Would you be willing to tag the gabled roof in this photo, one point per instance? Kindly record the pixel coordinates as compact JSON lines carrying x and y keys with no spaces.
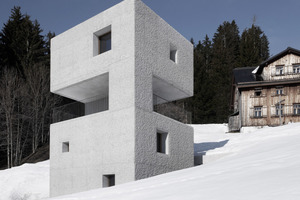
{"x":244,"y":74}
{"x":289,"y":50}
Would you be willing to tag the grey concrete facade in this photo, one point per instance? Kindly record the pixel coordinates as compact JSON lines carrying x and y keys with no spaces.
{"x":121,"y":140}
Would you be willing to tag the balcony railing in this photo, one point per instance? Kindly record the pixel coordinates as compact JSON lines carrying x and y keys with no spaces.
{"x":171,"y":110}
{"x":78,"y":109}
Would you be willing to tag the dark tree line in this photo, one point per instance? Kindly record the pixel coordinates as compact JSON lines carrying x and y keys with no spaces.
{"x":25,"y":98}
{"x":214,"y":61}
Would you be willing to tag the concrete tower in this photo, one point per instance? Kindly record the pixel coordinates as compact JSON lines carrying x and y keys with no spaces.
{"x":118,"y":65}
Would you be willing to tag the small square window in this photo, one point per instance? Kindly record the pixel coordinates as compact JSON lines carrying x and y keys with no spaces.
{"x":104,"y":42}
{"x":279,"y":109}
{"x":108,"y":180}
{"x":296,"y":69}
{"x":257,"y":92}
{"x":258,"y":111}
{"x":65,"y":147}
{"x":279,"y":91}
{"x":279,"y":70}
{"x":296,"y":108}
{"x":162,"y":144}
{"x":173,"y":53}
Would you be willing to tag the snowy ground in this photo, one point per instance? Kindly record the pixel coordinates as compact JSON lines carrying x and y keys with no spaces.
{"x":256,"y":164}
{"x":27,"y":182}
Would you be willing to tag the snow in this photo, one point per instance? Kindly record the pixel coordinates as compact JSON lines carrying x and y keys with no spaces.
{"x":258,"y":164}
{"x":255,"y":70}
{"x":26,"y":182}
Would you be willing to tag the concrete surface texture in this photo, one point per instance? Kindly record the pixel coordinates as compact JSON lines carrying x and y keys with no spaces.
{"x":147,"y":57}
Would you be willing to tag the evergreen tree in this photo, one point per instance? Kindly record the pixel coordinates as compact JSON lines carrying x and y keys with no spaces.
{"x":201,"y":101}
{"x":254,"y":47}
{"x":225,"y":50}
{"x":21,"y":42}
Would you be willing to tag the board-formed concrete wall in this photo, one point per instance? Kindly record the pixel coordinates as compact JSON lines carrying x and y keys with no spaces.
{"x":121,"y":140}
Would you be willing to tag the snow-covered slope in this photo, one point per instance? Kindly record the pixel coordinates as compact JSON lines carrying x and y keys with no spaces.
{"x":261,"y":165}
{"x":26,"y":182}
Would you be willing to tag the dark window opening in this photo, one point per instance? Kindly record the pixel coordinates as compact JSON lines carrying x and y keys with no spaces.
{"x":104,"y":42}
{"x":161,"y":144}
{"x":173,"y":55}
{"x":257,"y":92}
{"x":108,"y":180}
{"x":65,"y":147}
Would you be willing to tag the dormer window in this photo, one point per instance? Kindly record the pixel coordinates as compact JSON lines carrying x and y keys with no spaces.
{"x":296,"y":69}
{"x":279,"y":70}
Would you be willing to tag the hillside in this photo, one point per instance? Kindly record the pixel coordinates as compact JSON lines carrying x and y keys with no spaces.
{"x":259,"y":165}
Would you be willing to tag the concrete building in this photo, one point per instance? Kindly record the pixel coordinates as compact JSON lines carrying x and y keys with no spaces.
{"x":267,"y":95}
{"x":118,"y":65}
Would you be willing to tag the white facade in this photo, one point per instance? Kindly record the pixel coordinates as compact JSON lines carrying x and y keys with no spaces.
{"x":147,"y":57}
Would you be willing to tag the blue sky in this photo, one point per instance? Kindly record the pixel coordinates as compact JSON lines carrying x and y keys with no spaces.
{"x":279,"y":19}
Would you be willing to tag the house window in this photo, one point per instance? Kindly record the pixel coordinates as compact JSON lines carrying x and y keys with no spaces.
{"x":296,"y":109}
{"x":279,"y":91}
{"x":279,"y":110}
{"x":104,"y":43}
{"x":258,"y":111}
{"x":279,"y":70}
{"x":65,"y":147}
{"x":108,"y":180}
{"x":257,"y":92}
{"x":161,"y":145}
{"x":296,"y":69}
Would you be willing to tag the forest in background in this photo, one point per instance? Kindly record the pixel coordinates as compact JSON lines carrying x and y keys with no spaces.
{"x":26,"y":102}
{"x":214,"y":60}
{"x":25,"y":99}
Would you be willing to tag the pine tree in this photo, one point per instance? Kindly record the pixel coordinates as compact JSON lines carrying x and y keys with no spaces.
{"x":225,"y":51}
{"x":254,"y":47}
{"x":21,"y":42}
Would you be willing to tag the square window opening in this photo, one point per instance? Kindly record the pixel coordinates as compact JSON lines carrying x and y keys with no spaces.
{"x":279,"y":110}
{"x":258,"y":111}
{"x":279,"y":70}
{"x":173,"y":53}
{"x":108,"y":180}
{"x":296,"y":68}
{"x":257,"y":92}
{"x":279,"y":91}
{"x":296,"y":108}
{"x":65,"y":147}
{"x":102,"y":41}
{"x":162,"y":142}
